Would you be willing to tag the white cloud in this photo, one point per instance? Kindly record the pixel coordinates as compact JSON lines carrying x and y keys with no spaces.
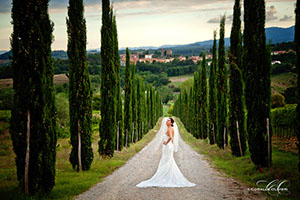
{"x":270,"y":13}
{"x":286,"y":18}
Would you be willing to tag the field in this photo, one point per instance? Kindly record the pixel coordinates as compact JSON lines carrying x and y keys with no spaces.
{"x":58,"y":79}
{"x":282,"y":81}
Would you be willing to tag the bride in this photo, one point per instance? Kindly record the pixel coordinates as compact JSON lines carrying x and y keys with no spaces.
{"x":168,"y":174}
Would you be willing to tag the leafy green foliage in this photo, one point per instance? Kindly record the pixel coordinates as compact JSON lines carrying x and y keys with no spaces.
{"x":257,"y":67}
{"x":80,"y":93}
{"x":33,"y":93}
{"x":107,"y":127}
{"x":222,"y":89}
{"x":213,"y":94}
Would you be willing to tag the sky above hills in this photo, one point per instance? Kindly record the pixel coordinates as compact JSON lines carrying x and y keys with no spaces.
{"x":151,"y":22}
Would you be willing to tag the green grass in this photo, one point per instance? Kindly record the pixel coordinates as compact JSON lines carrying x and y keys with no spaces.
{"x":284,"y":164}
{"x":165,"y":110}
{"x":68,"y":182}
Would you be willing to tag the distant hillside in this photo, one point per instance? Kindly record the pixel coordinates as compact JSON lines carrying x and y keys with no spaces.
{"x":55,"y":54}
{"x":275,"y":34}
{"x":278,"y":35}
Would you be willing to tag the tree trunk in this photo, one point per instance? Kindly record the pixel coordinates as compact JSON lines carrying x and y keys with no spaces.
{"x":79,"y":149}
{"x":224,"y":138}
{"x":118,"y":135}
{"x":27,"y":152}
{"x":126,"y":138}
{"x":238,"y":136}
{"x":132,"y":136}
{"x":269,"y":144}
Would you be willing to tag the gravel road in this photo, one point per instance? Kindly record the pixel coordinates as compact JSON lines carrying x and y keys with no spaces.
{"x":210,"y":183}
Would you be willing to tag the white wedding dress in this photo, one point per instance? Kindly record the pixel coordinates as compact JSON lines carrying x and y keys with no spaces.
{"x":168,"y":174}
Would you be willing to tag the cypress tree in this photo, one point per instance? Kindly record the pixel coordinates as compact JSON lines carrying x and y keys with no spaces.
{"x":236,"y":103}
{"x":222,"y":88}
{"x":196,"y":102}
{"x":128,"y":104}
{"x":139,"y":105}
{"x":119,"y":113}
{"x":80,"y":93}
{"x":148,"y":107}
{"x":191,"y":111}
{"x":33,"y":125}
{"x":184,"y":114}
{"x":213,"y":93}
{"x":133,"y":100}
{"x":151,"y":105}
{"x":297,"y":41}
{"x":143,"y":109}
{"x":199,"y":103}
{"x":158,"y":114}
{"x":203,"y":99}
{"x":257,"y":73}
{"x":107,"y":129}
{"x":146,"y":126}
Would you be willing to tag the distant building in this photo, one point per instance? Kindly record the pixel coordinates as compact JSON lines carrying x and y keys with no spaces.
{"x":278,"y":52}
{"x":194,"y":58}
{"x":166,"y":53}
{"x":148,"y":56}
{"x":181,"y":58}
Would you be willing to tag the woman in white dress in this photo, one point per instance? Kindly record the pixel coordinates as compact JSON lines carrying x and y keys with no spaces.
{"x":168,"y":174}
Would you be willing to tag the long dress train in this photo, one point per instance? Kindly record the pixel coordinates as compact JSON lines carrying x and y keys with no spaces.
{"x":168,"y":174}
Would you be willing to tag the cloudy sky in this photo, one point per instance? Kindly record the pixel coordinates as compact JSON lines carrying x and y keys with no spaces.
{"x":151,"y":22}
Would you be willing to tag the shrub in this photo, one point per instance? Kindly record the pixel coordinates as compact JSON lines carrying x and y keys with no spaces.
{"x":277,"y":100}
{"x":170,"y":111}
{"x":284,"y":118}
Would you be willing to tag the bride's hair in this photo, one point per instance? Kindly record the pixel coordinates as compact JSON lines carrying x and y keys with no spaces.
{"x":172,"y":121}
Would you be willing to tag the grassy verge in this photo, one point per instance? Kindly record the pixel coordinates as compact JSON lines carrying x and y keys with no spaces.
{"x":68,"y":182}
{"x":284,"y":164}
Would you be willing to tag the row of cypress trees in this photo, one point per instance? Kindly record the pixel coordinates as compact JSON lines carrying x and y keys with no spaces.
{"x":137,"y":119}
{"x":141,"y":111}
{"x":33,"y":117}
{"x":245,"y":87}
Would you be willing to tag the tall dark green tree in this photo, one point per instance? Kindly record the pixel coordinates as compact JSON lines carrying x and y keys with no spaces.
{"x":140,"y":106}
{"x":236,"y":103}
{"x":80,"y":93}
{"x":257,"y":73}
{"x":191,"y":111}
{"x":213,"y":94}
{"x":297,"y":41}
{"x":184,"y":114}
{"x":133,"y":100}
{"x":148,"y":107}
{"x":107,"y":129}
{"x":196,"y":105}
{"x":33,"y":125}
{"x":146,"y":125}
{"x":222,"y":89}
{"x":119,"y":117}
{"x":128,"y":101}
{"x":151,"y":106}
{"x":199,"y":101}
{"x":204,"y":117}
